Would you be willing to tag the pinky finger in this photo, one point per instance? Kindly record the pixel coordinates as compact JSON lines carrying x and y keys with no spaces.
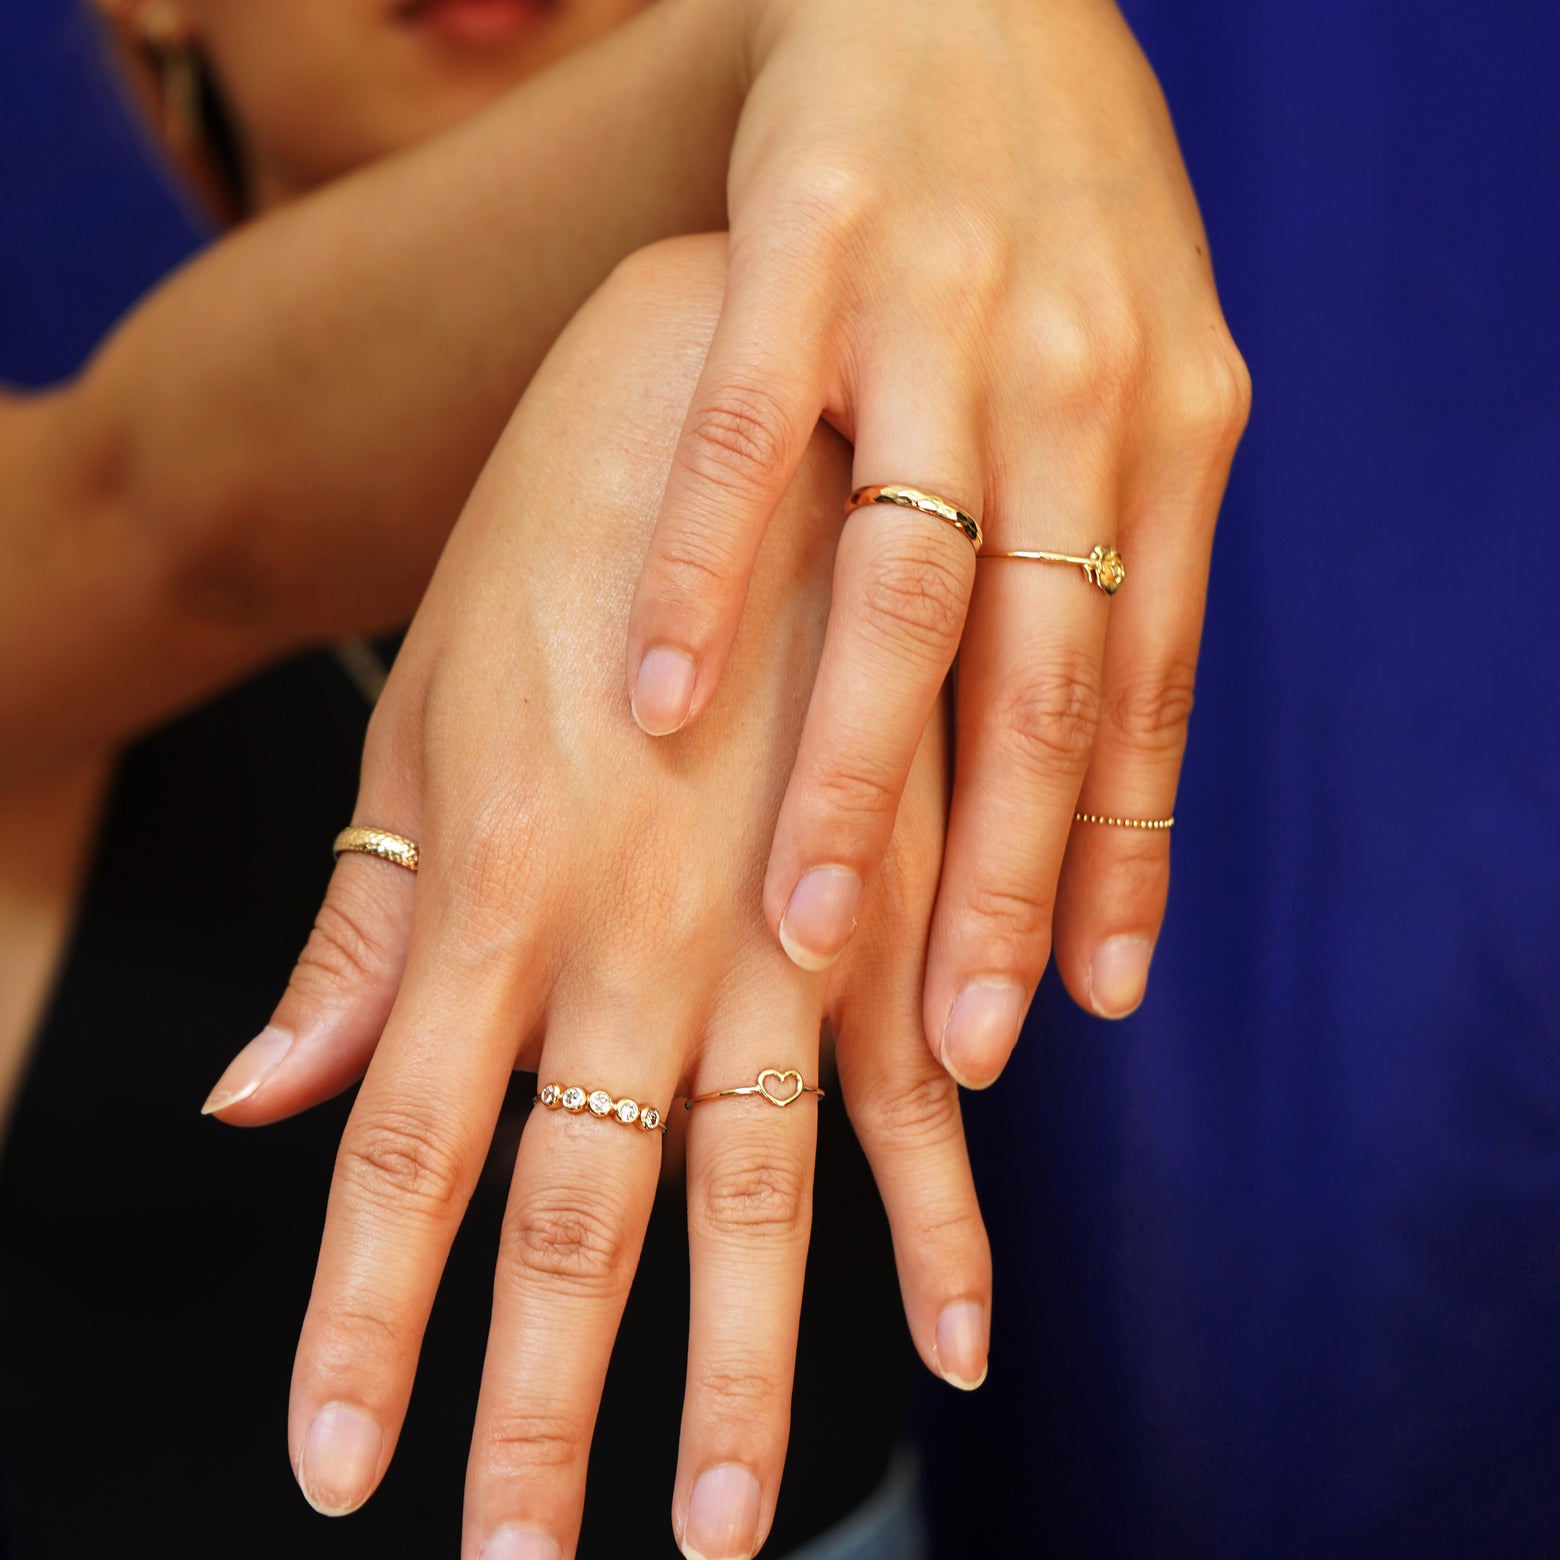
{"x":905,"y":1109}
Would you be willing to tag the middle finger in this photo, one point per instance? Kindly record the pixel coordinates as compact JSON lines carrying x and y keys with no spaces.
{"x":583,"y":1186}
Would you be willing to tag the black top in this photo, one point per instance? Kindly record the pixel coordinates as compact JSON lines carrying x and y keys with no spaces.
{"x":155,"y":1264}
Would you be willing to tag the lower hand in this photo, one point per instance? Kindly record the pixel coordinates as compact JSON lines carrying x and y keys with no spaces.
{"x":588,"y":905}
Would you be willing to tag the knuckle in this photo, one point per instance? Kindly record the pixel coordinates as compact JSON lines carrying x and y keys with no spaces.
{"x":822,"y":205}
{"x":1092,"y":356}
{"x":853,"y":791}
{"x":1139,"y":866}
{"x":914,"y":596}
{"x":693,"y":562}
{"x":346,"y":1331}
{"x":917,"y":1114}
{"x":1016,"y":917}
{"x":579,"y":1245}
{"x":522,"y":1440}
{"x":760,"y":1199}
{"x":344,"y":948}
{"x":1048,"y":720}
{"x":490,"y":868}
{"x":737,"y":439}
{"x":397,"y":1161}
{"x":739,"y":1393}
{"x":1213,"y":396}
{"x":1153,"y":711}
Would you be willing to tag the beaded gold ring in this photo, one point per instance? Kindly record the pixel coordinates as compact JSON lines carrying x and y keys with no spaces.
{"x":1125,"y":823}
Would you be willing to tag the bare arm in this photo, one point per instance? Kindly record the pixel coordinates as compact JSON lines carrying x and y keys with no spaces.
{"x":269,"y":451}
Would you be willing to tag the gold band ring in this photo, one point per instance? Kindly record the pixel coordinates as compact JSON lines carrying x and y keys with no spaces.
{"x":914,"y":498}
{"x":1125,"y":823}
{"x":572,"y":1098}
{"x":1103,"y":566}
{"x":394,"y":848}
{"x":779,"y":1088}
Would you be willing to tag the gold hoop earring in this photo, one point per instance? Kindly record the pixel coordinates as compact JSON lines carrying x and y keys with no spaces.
{"x":178,"y":69}
{"x":181,"y":100}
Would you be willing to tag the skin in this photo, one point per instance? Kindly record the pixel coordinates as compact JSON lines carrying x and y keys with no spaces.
{"x":269,"y":452}
{"x":563,"y":920}
{"x":1029,"y":327}
{"x":318,"y":91}
{"x":930,"y":1193}
{"x":1046,"y":348}
{"x":1051,"y":343}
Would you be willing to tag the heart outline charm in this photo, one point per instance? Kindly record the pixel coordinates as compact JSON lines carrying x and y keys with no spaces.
{"x":790,"y":1074}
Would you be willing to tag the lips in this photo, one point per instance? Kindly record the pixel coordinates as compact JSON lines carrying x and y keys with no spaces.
{"x":476,"y":23}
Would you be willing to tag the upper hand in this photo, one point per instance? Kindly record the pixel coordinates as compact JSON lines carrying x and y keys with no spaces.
{"x":964,"y":235}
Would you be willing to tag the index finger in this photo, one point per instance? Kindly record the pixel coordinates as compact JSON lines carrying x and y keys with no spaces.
{"x":753,"y":412}
{"x":413,"y":1148}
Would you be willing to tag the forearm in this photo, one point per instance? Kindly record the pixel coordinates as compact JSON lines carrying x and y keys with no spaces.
{"x":252,"y":461}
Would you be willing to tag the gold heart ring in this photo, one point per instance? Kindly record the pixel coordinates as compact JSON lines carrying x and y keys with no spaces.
{"x":780,"y":1087}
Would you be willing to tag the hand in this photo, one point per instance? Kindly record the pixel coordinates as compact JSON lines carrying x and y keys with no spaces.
{"x":587,"y":904}
{"x":964,"y":235}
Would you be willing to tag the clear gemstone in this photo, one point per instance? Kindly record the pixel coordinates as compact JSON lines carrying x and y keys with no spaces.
{"x":650,"y":1118}
{"x":627,"y":1112}
{"x":573,"y":1098}
{"x":550,"y":1094}
{"x":600,"y":1103}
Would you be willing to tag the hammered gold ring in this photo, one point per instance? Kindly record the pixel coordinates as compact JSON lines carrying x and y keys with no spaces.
{"x":394,"y":848}
{"x":779,"y":1087}
{"x":572,"y":1098}
{"x":1102,"y":567}
{"x":916,"y":498}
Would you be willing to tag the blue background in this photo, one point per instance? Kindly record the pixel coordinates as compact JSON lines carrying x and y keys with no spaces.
{"x":1278,"y":1259}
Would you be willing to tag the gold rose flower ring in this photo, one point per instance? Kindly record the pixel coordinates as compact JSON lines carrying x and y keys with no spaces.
{"x":1103,"y":567}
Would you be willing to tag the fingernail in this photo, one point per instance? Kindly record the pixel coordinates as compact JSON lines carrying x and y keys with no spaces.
{"x":722,"y":1515}
{"x":962,"y":1344}
{"x":981,"y":1030}
{"x":340,"y":1458}
{"x":511,"y":1542}
{"x":249,"y":1069}
{"x":1118,"y":975}
{"x":820,"y":917}
{"x":663,"y":691}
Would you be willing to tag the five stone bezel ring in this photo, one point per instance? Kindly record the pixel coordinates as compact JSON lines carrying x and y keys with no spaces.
{"x":572,"y":1098}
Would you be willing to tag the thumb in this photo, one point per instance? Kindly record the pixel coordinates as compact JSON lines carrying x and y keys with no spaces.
{"x":326,"y":1026}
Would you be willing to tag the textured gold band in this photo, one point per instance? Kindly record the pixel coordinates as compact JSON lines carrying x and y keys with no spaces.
{"x":572,"y":1098}
{"x":787,"y":1089}
{"x":394,"y":848}
{"x":1103,"y":567}
{"x":915,"y":498}
{"x":1125,"y":823}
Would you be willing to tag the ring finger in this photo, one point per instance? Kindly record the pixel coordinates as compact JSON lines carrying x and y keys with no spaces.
{"x":1028,"y":706}
{"x":750,"y":1181}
